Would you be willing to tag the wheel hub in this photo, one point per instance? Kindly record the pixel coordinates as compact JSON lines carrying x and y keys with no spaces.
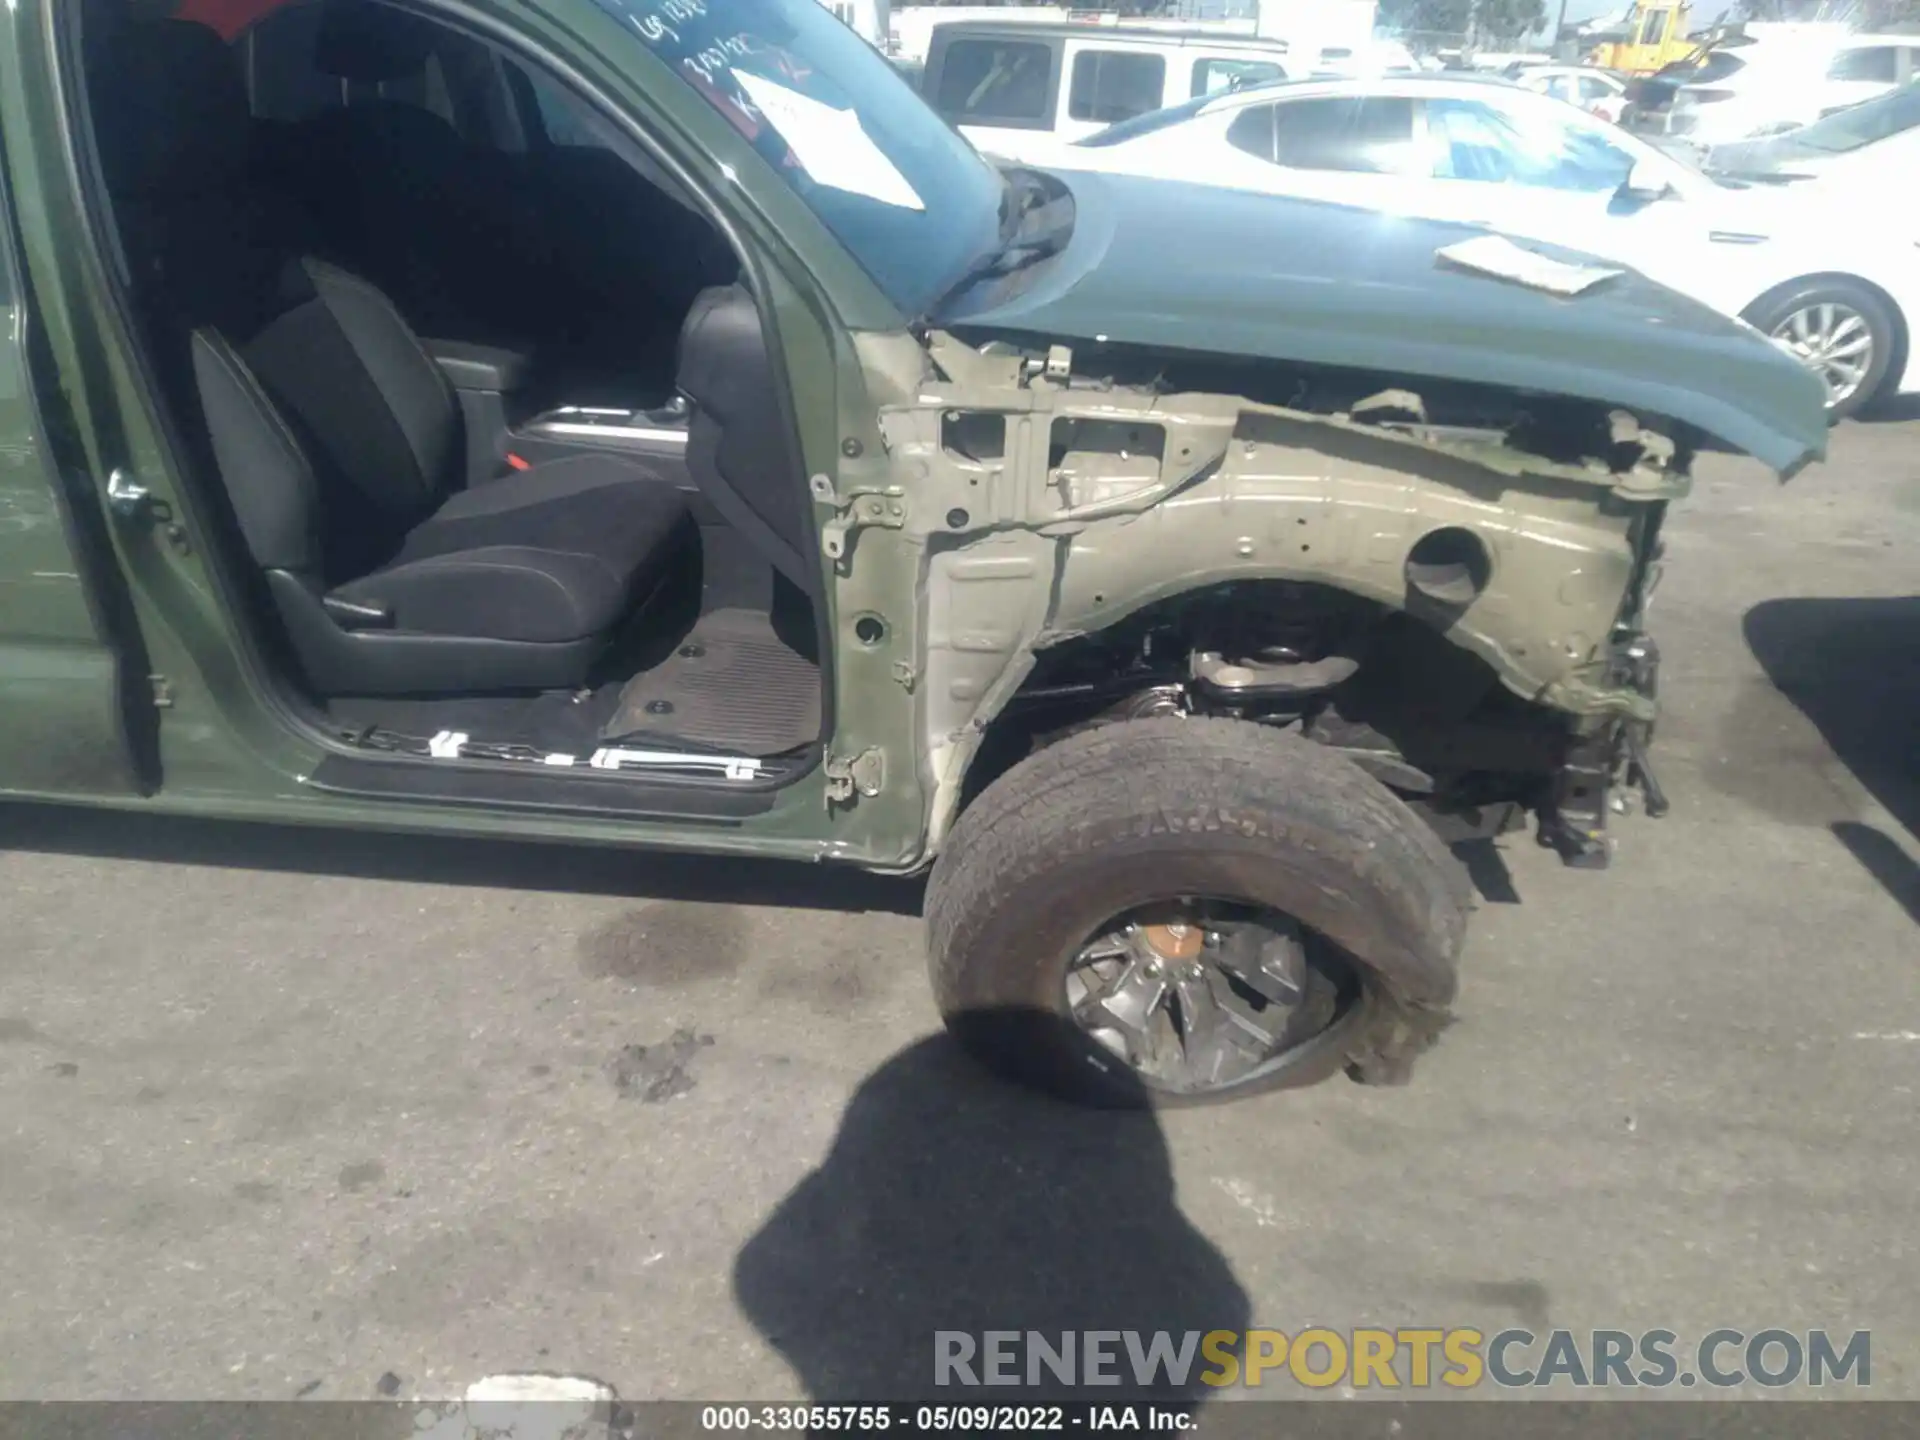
{"x":1192,"y":996}
{"x":1177,"y":940}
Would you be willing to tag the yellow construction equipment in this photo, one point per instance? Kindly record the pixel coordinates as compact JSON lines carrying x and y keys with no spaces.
{"x":1656,"y":36}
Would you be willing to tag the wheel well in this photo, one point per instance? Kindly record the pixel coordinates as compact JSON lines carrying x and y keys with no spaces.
{"x":1412,"y":694}
{"x":1896,"y":362}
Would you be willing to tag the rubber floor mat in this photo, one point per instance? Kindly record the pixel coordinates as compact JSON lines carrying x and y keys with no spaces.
{"x":732,"y":684}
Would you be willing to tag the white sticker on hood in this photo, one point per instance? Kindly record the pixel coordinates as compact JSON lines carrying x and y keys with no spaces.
{"x":831,"y":145}
{"x":1498,"y":256}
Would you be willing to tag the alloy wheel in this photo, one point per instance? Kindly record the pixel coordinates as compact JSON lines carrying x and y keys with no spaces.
{"x":1196,"y":995}
{"x":1833,"y":340}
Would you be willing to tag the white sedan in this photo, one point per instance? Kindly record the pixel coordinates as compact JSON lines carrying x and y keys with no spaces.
{"x":1594,"y":91}
{"x":1840,"y":294}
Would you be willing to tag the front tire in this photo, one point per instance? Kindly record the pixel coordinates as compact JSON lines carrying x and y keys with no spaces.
{"x":1276,"y":847}
{"x":1840,"y":330}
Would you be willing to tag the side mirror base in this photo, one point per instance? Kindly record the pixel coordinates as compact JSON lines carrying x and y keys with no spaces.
{"x":1645,"y":182}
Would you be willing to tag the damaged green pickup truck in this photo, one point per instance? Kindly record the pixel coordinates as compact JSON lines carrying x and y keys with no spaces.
{"x":644,"y":422}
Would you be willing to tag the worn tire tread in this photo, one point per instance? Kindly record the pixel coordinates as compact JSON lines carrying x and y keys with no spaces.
{"x":1240,"y":788}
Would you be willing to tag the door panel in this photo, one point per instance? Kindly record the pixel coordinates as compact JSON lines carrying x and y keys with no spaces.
{"x":75,"y":707}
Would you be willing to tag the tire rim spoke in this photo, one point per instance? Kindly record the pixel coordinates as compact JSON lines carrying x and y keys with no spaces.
{"x":1265,"y":964}
{"x":1211,"y":1045}
{"x":1834,"y":341}
{"x":1194,"y":995}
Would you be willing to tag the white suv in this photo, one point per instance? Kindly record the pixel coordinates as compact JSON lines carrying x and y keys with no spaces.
{"x":1025,"y":91}
{"x":1777,"y":88}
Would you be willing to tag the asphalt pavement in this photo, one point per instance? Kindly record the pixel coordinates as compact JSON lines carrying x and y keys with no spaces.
{"x":305,"y":1114}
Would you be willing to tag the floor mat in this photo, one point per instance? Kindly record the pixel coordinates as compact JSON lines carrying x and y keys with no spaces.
{"x":732,"y":685}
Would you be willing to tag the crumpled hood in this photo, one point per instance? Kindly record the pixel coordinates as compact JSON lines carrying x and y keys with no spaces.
{"x":1203,"y":268}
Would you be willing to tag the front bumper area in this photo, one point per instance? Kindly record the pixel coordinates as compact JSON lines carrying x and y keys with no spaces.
{"x":1606,"y":765}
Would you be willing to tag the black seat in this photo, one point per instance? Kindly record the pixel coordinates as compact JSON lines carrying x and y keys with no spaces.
{"x":337,"y":438}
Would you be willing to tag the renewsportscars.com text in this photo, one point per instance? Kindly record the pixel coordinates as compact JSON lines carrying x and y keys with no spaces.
{"x":1458,"y":1358}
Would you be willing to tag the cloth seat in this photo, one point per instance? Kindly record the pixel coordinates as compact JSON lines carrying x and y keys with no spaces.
{"x":339,"y":442}
{"x":552,"y":555}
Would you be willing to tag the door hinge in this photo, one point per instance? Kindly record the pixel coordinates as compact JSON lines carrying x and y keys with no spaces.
{"x":162,"y":692}
{"x":886,"y":508}
{"x":1055,"y":367}
{"x":851,"y":776}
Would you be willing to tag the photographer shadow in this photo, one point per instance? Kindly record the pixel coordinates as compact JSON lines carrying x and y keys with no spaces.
{"x":952,"y":1202}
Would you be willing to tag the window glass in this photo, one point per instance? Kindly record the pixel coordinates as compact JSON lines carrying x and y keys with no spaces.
{"x":1476,"y":142}
{"x":1868,"y":62}
{"x":278,"y":53}
{"x":563,"y":121}
{"x":982,"y":81}
{"x":1113,"y":85}
{"x":1210,"y":77}
{"x":1146,"y":124}
{"x":283,"y":83}
{"x":1592,"y":89}
{"x":1252,"y":131}
{"x":914,"y":203}
{"x":1369,"y":136}
{"x":1654,"y":28}
{"x":1857,"y":125}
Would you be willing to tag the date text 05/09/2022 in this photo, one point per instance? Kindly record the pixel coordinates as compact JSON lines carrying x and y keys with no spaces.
{"x":948,"y":1419}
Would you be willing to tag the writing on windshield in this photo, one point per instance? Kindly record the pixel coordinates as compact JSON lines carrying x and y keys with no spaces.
{"x":907,"y":195}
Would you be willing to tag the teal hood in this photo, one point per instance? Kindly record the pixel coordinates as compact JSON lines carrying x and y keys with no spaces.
{"x":1204,"y":269}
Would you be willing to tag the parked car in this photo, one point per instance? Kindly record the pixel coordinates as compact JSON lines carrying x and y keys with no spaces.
{"x":1843,"y":295}
{"x":1379,"y":57}
{"x":1861,"y":157}
{"x":1789,"y":84}
{"x":1727,"y":51}
{"x":1169,"y":569}
{"x":1026,"y":92}
{"x":1594,"y":91}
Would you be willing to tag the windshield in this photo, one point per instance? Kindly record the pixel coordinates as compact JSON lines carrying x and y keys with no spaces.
{"x":906,"y":194}
{"x":1125,"y":130}
{"x":1864,"y":123}
{"x":1148,"y":123}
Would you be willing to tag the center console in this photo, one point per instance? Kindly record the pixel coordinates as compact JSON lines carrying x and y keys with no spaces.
{"x":492,"y":385}
{"x":657,"y":436}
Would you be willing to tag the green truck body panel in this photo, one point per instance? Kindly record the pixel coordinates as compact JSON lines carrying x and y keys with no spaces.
{"x":1299,"y":280}
{"x":972,"y":566}
{"x":59,"y":683}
